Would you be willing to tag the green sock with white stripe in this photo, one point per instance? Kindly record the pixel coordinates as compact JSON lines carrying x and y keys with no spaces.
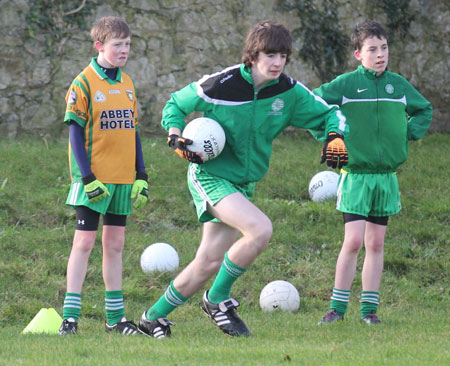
{"x":221,"y":288}
{"x":369,"y":302}
{"x":115,"y":310}
{"x":72,"y":306}
{"x":166,"y":304}
{"x":339,"y":300}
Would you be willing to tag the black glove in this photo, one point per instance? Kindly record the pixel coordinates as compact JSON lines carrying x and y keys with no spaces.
{"x":334,"y":151}
{"x":178,"y":144}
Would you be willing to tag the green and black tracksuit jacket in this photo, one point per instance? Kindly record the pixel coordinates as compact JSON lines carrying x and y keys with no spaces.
{"x":250,"y":118}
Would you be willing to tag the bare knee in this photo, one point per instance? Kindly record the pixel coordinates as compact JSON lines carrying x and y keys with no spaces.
{"x":260,"y":234}
{"x":114,"y":245}
{"x":83,"y":243}
{"x":352,"y":245}
{"x":113,"y":239}
{"x":374,"y":247}
{"x":265,"y":232}
{"x":207,"y":265}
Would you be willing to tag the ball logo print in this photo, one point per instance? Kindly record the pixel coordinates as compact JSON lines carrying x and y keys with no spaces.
{"x":323,"y":186}
{"x":280,"y":295}
{"x":207,"y":135}
{"x":159,"y":257}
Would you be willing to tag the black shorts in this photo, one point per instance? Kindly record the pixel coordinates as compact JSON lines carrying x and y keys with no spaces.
{"x":87,"y":219}
{"x":379,"y":220}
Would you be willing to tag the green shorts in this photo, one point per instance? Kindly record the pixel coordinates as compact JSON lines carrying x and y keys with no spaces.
{"x":118,"y":203}
{"x":368,"y":194}
{"x":210,"y":189}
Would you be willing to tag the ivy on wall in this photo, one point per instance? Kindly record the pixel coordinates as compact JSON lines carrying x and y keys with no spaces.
{"x":52,"y":22}
{"x":324,"y":45}
{"x":398,"y":17}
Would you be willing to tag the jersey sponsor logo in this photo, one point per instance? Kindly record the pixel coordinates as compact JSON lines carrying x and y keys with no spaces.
{"x":114,"y":91}
{"x":78,"y":112}
{"x":389,"y":88}
{"x":117,"y":119}
{"x":226,"y":78}
{"x":72,"y":97}
{"x":129,"y":93}
{"x":277,"y":106}
{"x":99,"y":96}
{"x":361,"y":90}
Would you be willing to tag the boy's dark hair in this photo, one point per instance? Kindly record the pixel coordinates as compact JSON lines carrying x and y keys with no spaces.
{"x":366,"y":30}
{"x":110,"y":27}
{"x":269,"y":37}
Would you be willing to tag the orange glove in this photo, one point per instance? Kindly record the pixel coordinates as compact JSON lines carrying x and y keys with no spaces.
{"x":334,"y":151}
{"x":178,"y":144}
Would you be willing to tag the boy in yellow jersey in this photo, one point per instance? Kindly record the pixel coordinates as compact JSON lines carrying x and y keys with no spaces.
{"x":107,"y":169}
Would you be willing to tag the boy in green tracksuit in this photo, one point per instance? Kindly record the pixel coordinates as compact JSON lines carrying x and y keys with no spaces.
{"x":383,"y":111}
{"x":254,"y":102}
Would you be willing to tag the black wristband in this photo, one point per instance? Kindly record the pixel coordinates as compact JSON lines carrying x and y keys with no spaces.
{"x":337,"y":134}
{"x":171,"y":139}
{"x":88,"y":179}
{"x":142,"y":176}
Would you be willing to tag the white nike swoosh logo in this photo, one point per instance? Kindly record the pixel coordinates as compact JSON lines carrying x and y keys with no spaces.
{"x":361,"y":90}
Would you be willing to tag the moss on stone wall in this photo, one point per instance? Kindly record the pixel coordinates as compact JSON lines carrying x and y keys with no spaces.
{"x":44,"y":46}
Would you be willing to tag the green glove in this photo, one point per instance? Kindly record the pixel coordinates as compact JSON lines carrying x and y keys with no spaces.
{"x":140,"y":190}
{"x":95,"y":190}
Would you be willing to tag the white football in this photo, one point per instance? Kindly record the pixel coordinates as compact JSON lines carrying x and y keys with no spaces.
{"x":279,"y":295}
{"x":159,"y":257}
{"x":207,"y":135}
{"x":323,"y":186}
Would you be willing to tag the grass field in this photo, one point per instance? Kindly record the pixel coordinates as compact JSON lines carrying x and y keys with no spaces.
{"x":36,"y":230}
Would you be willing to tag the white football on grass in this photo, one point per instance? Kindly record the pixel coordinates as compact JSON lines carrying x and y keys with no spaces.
{"x":323,"y":186}
{"x":280,"y":295}
{"x":159,"y":257}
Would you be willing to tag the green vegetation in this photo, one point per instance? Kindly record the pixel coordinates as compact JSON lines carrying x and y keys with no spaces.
{"x":53,"y":22}
{"x":398,"y":17}
{"x":324,"y":45}
{"x":36,"y":230}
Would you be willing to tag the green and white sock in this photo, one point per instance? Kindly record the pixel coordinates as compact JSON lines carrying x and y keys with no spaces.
{"x":114,"y":307}
{"x":166,"y":304}
{"x":339,"y":300}
{"x":369,"y":302}
{"x":72,"y":306}
{"x":227,"y":275}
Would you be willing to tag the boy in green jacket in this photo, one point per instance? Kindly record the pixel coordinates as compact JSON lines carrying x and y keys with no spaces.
{"x":383,"y":111}
{"x":254,"y":102}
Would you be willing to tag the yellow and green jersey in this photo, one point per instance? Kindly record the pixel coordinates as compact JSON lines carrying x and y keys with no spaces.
{"x":107,"y":110}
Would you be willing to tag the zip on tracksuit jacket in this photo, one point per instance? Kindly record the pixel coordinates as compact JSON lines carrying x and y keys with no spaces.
{"x":382,"y":112}
{"x":250,"y":118}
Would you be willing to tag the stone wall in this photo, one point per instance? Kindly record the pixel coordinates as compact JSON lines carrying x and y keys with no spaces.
{"x":176,"y":42}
